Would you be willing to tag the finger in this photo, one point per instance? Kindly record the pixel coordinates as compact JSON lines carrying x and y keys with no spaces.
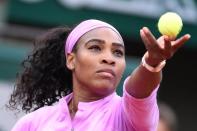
{"x":144,"y":39}
{"x":149,"y":39}
{"x":180,"y":42}
{"x":152,"y":40}
{"x":167,"y":43}
{"x":167,"y":52}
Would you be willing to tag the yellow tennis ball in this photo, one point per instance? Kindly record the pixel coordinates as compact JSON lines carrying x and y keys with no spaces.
{"x":170,"y":24}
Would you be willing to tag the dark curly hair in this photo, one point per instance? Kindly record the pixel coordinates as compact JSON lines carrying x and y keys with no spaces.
{"x":45,"y":78}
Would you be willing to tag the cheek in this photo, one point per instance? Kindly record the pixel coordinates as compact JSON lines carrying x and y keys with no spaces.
{"x":84,"y":66}
{"x":119,"y":71}
{"x":121,"y":68}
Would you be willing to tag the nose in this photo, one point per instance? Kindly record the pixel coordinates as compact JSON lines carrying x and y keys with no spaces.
{"x":108,"y":59}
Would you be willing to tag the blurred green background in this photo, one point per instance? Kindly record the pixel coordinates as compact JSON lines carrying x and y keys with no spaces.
{"x":23,"y":20}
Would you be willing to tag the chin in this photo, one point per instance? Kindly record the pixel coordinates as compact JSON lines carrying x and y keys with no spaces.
{"x":104,"y":89}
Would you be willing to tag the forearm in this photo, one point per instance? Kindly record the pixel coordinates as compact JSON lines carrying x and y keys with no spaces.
{"x":142,"y":82}
{"x":135,"y":109}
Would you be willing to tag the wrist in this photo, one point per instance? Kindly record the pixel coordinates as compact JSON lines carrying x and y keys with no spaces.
{"x":152,"y":60}
{"x":152,"y":65}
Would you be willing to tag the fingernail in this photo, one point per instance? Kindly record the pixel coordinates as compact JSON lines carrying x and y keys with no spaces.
{"x":145,"y":28}
{"x":166,"y":38}
{"x":188,"y":36}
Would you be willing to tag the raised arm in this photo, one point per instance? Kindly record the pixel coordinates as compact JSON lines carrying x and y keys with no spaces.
{"x":142,"y":81}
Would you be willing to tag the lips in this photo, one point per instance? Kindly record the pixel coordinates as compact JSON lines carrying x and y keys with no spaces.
{"x":107,"y":72}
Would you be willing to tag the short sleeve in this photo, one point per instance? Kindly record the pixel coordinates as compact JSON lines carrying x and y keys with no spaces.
{"x":142,"y":114}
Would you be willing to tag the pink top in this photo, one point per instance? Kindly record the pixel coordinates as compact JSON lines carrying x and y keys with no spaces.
{"x":112,"y":113}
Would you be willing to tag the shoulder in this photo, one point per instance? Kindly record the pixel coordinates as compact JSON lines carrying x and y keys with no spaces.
{"x":31,"y":121}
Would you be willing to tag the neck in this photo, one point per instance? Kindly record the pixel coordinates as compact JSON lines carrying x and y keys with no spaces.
{"x":81,"y":93}
{"x":85,"y":94}
{"x":72,"y":108}
{"x":81,"y":96}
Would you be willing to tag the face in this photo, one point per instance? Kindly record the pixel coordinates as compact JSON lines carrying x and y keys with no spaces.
{"x":99,"y":61}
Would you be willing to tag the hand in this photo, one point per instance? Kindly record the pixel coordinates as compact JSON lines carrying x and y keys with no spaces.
{"x":161,"y":49}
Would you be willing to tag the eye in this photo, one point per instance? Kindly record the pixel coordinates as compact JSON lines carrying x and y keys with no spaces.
{"x":118,"y":53}
{"x":94,"y":48}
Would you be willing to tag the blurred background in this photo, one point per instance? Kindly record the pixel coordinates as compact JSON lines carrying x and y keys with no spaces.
{"x":23,"y":20}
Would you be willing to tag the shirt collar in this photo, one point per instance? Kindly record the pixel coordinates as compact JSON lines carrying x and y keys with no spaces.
{"x":85,"y":105}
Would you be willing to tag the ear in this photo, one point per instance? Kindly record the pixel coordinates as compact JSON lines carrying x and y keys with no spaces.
{"x":70,"y":61}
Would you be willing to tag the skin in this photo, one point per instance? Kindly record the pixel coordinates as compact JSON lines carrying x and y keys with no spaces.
{"x":162,"y":126}
{"x":142,"y":82}
{"x":88,"y":85}
{"x":97,"y":65}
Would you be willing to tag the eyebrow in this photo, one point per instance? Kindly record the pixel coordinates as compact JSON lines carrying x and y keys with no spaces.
{"x":102,"y":42}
